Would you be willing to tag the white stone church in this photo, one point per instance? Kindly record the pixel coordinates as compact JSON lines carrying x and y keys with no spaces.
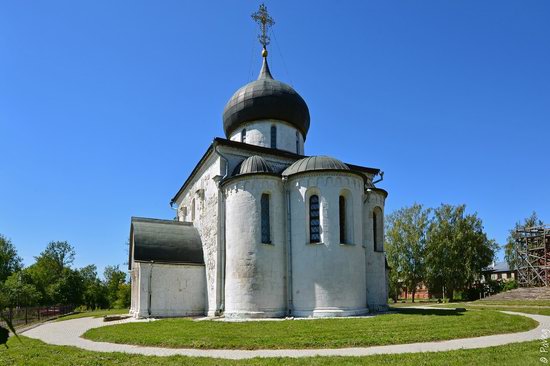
{"x":263,"y":230}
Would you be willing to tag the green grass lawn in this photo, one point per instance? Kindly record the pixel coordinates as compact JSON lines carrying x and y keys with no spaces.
{"x":407,"y":326}
{"x":481,"y":306}
{"x":35,"y":353}
{"x":515,"y":302}
{"x":95,"y":314}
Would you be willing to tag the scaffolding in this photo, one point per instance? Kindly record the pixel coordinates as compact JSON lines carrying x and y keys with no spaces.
{"x":533,"y":256}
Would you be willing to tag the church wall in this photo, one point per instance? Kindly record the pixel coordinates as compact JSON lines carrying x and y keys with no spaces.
{"x":259,"y":133}
{"x":255,"y":272}
{"x":377,"y":285}
{"x":328,"y":278}
{"x":176,"y":290}
{"x":200,"y":205}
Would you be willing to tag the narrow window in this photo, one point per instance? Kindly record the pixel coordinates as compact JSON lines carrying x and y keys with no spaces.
{"x":374,"y":231}
{"x":314,"y":222}
{"x":243,"y":135}
{"x":193,"y":210}
{"x":342,"y":208}
{"x":273,"y":137}
{"x":266,"y":231}
{"x":297,"y":143}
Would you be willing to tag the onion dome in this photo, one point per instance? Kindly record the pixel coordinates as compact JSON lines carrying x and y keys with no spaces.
{"x":254,"y":164}
{"x":266,"y":99}
{"x":315,"y":163}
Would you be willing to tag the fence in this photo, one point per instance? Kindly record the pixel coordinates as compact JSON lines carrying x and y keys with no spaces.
{"x":28,"y":315}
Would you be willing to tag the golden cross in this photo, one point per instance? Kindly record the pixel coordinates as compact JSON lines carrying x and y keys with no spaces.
{"x":265,"y":21}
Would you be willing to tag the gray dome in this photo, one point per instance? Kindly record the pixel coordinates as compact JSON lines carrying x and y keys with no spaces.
{"x":265,"y":99}
{"x":315,"y":163}
{"x":254,"y":164}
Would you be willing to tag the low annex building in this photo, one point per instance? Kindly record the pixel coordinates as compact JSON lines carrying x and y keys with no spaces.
{"x":263,"y":230}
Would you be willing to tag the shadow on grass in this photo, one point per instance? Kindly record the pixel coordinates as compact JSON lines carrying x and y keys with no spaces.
{"x":441,"y":312}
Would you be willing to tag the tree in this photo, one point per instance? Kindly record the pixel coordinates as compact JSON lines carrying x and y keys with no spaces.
{"x":10,"y":262}
{"x":68,"y":289}
{"x":19,"y":291}
{"x":95,"y":292}
{"x":50,"y":268}
{"x":457,"y":249}
{"x":60,"y":252}
{"x":123,"y":296}
{"x":510,"y":252}
{"x":406,"y":246}
{"x":113,"y":278}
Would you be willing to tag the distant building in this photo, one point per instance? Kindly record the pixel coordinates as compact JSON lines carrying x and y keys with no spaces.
{"x":498,"y":272}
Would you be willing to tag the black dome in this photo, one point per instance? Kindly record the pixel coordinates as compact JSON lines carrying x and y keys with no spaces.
{"x":254,"y":164}
{"x":315,"y":163}
{"x":264,"y":99}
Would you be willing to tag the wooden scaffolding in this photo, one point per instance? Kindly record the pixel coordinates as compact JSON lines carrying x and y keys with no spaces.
{"x":533,"y":255}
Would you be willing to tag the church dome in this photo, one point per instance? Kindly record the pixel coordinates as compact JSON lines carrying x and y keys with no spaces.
{"x":254,"y":164}
{"x":266,"y":99}
{"x":315,"y":163}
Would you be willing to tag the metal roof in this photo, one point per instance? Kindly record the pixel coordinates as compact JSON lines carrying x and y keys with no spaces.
{"x":255,"y":149}
{"x":165,"y":241}
{"x":253,"y":164}
{"x":315,"y":163}
{"x":265,"y":99}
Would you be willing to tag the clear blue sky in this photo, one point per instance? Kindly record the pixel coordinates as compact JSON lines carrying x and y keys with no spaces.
{"x":106,"y":106}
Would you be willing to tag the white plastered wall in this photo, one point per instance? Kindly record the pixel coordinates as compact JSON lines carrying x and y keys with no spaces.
{"x":328,"y":277}
{"x":176,"y":290}
{"x":377,"y":285}
{"x":259,"y":133}
{"x":202,"y":195}
{"x":255,"y":271}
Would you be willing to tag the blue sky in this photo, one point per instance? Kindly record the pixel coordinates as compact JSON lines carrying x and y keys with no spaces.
{"x":106,"y":106}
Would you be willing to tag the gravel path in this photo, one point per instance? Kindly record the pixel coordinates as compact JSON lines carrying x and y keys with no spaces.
{"x":68,"y":333}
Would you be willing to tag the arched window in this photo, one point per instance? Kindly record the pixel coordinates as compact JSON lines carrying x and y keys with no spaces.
{"x":343,"y":227}
{"x":297,"y":143}
{"x":193,"y":210}
{"x":314,"y":220}
{"x":266,"y":230}
{"x":377,"y":230}
{"x":243,"y":135}
{"x":273,"y":137}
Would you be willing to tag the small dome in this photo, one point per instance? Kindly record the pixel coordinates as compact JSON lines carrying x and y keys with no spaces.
{"x":315,"y":163}
{"x":265,"y":99}
{"x":254,"y":164}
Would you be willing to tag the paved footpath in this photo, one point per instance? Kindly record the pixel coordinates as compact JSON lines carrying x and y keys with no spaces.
{"x":68,"y":333}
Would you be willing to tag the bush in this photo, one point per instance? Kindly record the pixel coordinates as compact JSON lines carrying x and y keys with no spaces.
{"x":510,"y":285}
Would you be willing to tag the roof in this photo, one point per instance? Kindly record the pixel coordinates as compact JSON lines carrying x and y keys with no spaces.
{"x":165,"y":241}
{"x":498,"y":267}
{"x":255,"y":150}
{"x":253,"y":164}
{"x":266,"y":99}
{"x":315,"y":163}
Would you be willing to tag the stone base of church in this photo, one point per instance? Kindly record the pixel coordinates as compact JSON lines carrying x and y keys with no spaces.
{"x":378,"y":308}
{"x":238,"y":315}
{"x":329,"y":313}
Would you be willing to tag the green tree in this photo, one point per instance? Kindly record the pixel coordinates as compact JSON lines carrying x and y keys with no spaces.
{"x":10,"y":262}
{"x":95,"y":292}
{"x":49,"y":273}
{"x":114,"y":277}
{"x":406,"y":246}
{"x":19,"y":291}
{"x":68,"y":289}
{"x":457,"y":249}
{"x":123,"y":296}
{"x":510,"y":252}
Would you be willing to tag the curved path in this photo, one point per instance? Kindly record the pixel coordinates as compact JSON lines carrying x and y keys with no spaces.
{"x":68,"y":333}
